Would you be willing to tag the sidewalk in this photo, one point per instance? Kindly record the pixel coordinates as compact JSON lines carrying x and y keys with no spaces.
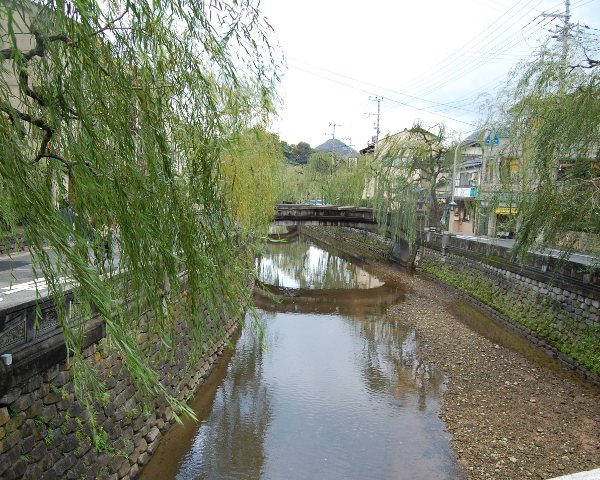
{"x":580,"y":258}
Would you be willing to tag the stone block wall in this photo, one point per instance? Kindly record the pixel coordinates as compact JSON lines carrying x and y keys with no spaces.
{"x":362,"y":244}
{"x":12,"y":244}
{"x":569,"y":309}
{"x":44,"y":432}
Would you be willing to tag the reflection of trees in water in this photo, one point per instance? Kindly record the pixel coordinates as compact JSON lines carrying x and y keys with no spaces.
{"x":389,"y":360}
{"x":308,"y":266}
{"x":230,"y":442}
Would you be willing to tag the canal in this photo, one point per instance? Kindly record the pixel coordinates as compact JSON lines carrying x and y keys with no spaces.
{"x":327,"y":387}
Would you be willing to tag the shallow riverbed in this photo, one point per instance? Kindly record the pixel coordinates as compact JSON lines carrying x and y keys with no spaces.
{"x":337,"y":389}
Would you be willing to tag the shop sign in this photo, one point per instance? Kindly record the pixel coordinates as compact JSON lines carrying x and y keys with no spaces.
{"x":465,"y":192}
{"x":507,"y":211}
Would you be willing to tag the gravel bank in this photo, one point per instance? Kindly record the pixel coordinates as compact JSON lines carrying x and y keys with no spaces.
{"x":510,"y":417}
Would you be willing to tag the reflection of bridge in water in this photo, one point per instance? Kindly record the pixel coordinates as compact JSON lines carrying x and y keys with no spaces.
{"x":343,"y":301}
{"x":362,"y":218}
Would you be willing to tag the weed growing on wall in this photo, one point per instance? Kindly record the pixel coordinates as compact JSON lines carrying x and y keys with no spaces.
{"x":583,"y":345}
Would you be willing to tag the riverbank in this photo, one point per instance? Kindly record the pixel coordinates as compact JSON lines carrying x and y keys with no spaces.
{"x":509,"y":417}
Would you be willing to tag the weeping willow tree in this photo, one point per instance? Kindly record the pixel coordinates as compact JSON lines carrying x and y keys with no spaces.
{"x":333,"y":179}
{"x":252,"y":167}
{"x":114,"y":119}
{"x":551,"y":111}
{"x":409,"y":168}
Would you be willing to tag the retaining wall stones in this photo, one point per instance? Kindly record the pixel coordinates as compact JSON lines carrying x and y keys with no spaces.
{"x":44,"y":433}
{"x":570,"y":309}
{"x":363,"y":244}
{"x":12,"y":244}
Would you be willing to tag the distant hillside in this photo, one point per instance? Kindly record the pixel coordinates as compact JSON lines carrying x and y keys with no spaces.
{"x":337,"y":146}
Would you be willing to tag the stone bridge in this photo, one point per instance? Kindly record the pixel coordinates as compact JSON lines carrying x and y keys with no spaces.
{"x":325,"y":215}
{"x":362,"y":218}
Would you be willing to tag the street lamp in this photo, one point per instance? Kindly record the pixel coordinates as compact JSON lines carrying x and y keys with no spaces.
{"x":453,"y":206}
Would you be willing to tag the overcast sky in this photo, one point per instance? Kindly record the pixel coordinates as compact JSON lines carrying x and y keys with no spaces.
{"x":430,"y":60}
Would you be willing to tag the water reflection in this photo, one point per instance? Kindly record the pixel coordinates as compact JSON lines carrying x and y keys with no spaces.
{"x":233,"y":434}
{"x":339,"y":391}
{"x":390,"y":365}
{"x":300,"y":264}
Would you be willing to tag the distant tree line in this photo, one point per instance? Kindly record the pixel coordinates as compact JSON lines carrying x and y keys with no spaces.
{"x":296,"y":154}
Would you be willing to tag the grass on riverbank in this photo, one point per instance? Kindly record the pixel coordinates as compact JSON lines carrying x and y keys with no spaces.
{"x":583,"y":345}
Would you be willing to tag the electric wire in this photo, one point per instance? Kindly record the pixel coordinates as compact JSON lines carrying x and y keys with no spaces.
{"x":490,"y":44}
{"x":449,"y":64}
{"x":388,"y":98}
{"x":483,"y":50}
{"x":466,"y":68}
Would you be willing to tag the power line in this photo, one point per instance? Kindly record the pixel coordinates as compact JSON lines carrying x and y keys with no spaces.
{"x":448,"y":63}
{"x":395,"y":92}
{"x":483,"y":55}
{"x":484,"y":48}
{"x":466,"y":67}
{"x":393,"y":100}
{"x":506,"y":44}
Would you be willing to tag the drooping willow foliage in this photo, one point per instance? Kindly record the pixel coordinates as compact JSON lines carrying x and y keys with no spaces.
{"x":410,"y":167}
{"x":114,"y":119}
{"x":252,"y":168}
{"x":551,"y":111}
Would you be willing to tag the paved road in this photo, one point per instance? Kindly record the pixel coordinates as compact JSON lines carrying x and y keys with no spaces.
{"x":18,"y":284}
{"x":508,"y":243}
{"x":17,"y":281}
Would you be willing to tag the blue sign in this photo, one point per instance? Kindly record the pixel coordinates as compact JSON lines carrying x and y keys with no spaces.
{"x":488,"y":139}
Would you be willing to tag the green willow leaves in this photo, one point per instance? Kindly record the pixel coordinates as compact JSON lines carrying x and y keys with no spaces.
{"x":410,"y":167}
{"x":551,"y":110}
{"x":113,"y":119}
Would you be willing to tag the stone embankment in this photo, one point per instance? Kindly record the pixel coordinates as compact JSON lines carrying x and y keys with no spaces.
{"x":44,"y":430}
{"x":510,"y":417}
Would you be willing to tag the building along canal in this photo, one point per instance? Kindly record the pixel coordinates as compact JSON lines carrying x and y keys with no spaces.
{"x":364,"y":371}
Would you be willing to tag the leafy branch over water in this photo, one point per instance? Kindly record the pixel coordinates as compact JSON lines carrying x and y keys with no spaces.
{"x":114,"y":117}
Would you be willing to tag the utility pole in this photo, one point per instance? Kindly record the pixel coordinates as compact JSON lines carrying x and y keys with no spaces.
{"x":378,"y":114}
{"x":565,"y":41}
{"x":333,"y":125}
{"x":350,"y":145}
{"x":452,"y":204}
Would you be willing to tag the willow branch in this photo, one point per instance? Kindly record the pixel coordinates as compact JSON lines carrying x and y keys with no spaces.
{"x":38,"y":122}
{"x":109,"y":25}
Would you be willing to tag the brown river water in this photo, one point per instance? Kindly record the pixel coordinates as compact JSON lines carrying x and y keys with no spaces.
{"x":334,"y":390}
